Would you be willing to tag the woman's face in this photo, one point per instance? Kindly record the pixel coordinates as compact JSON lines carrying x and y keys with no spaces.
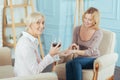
{"x":38,"y":27}
{"x":88,"y":20}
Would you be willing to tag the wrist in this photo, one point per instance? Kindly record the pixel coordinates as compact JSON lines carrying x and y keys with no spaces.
{"x":60,"y":55}
{"x":51,"y":54}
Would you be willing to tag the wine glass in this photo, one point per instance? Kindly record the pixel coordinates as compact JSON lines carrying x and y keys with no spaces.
{"x":56,"y":40}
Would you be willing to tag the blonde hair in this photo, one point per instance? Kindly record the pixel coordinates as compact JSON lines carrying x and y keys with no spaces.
{"x":33,"y":18}
{"x":95,"y":15}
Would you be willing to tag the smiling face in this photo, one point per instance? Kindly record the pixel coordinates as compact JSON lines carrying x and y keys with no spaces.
{"x":35,"y":24}
{"x":38,"y":27}
{"x":88,"y":20}
{"x":91,"y":18}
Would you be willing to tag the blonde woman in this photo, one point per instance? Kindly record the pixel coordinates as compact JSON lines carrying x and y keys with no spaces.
{"x":27,"y":59}
{"x":86,"y":40}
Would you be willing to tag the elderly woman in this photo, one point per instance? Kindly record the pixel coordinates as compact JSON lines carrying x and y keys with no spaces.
{"x":86,"y":40}
{"x":27,"y":59}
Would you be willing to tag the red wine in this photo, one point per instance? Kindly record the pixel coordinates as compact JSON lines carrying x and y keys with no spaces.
{"x":55,"y":44}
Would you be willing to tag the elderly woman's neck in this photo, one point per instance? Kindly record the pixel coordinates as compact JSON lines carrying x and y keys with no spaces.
{"x":31,"y":33}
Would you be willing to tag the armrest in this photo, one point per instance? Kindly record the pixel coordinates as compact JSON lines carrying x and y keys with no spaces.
{"x":41,"y":76}
{"x":5,"y":56}
{"x":6,"y":71}
{"x":106,"y":60}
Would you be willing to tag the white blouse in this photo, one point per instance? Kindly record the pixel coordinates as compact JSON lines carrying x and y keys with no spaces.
{"x":26,"y":62}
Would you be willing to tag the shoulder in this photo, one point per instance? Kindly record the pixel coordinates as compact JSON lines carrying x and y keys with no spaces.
{"x":23,"y":42}
{"x":77,"y":28}
{"x":23,"y":39}
{"x":23,"y":46}
{"x":99,"y":32}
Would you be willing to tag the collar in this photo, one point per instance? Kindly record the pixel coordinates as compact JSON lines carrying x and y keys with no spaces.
{"x":29,"y":36}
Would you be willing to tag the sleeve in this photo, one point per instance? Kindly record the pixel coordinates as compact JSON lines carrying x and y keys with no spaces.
{"x":93,"y":48}
{"x":31,"y":61}
{"x":56,"y":58}
{"x":75,"y":35}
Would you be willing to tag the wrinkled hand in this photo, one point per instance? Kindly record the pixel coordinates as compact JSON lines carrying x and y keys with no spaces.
{"x":54,"y":50}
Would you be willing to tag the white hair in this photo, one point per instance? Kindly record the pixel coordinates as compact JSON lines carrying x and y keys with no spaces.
{"x":33,"y":18}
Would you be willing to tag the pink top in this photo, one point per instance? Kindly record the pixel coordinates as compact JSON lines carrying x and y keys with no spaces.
{"x":90,"y":46}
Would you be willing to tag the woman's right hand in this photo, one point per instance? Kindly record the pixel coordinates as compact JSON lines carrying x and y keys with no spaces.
{"x":55,"y":50}
{"x":65,"y":53}
{"x":74,"y":47}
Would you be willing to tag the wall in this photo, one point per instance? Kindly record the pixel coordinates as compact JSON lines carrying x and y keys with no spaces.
{"x":60,"y":15}
{"x":58,"y":21}
{"x":1,"y":41}
{"x":51,"y":12}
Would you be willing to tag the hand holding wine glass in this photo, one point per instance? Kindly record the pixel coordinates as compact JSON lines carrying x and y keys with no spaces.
{"x":54,"y":44}
{"x":55,"y":41}
{"x":55,"y":47}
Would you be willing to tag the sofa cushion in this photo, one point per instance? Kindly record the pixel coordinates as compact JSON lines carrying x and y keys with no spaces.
{"x":60,"y":70}
{"x":5,"y":56}
{"x":108,"y":42}
{"x":41,"y":76}
{"x":6,"y":71}
{"x":87,"y":74}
